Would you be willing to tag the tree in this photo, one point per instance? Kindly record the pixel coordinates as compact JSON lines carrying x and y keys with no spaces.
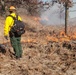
{"x":67,"y":4}
{"x":2,"y":10}
{"x":31,"y":5}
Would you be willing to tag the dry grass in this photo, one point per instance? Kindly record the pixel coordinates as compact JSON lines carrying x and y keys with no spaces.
{"x":42,"y":55}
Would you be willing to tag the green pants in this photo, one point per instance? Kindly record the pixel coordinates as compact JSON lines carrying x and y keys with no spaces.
{"x":15,"y":42}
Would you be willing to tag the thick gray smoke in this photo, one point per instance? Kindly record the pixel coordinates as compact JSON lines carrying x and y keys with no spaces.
{"x":55,"y":15}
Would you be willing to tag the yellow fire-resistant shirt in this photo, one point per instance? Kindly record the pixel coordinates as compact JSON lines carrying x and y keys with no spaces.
{"x":9,"y":23}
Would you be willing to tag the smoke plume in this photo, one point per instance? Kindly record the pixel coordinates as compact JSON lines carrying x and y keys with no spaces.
{"x":54,"y":15}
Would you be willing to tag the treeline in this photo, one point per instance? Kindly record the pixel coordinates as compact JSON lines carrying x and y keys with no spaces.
{"x":32,"y":6}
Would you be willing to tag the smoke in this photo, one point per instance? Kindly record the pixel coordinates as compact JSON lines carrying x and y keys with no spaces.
{"x":54,"y":15}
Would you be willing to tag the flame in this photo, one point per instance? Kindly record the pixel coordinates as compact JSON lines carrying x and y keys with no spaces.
{"x":64,"y":39}
{"x":62,"y":34}
{"x":36,"y":18}
{"x":73,"y":36}
{"x":51,"y":38}
{"x":29,"y":41}
{"x":61,"y":37}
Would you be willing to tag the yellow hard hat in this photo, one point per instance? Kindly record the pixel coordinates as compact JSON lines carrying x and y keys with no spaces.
{"x":12,"y":8}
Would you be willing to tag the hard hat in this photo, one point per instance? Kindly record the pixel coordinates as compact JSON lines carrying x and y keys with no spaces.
{"x":12,"y":8}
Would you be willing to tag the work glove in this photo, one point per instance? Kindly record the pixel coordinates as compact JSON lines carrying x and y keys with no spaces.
{"x":6,"y":37}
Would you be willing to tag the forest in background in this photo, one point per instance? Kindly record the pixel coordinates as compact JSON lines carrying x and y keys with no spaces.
{"x":33,"y":7}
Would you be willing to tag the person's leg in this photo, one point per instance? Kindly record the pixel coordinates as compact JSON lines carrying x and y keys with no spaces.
{"x":19,"y":46}
{"x":15,"y":46}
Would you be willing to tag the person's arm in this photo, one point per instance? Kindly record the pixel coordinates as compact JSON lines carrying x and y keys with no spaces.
{"x":19,"y":18}
{"x":8,"y":22}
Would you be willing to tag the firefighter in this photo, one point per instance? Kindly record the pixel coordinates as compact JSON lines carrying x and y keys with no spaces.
{"x":14,"y":39}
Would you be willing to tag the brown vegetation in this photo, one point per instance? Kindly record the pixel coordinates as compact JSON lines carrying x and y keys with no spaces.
{"x":46,"y":49}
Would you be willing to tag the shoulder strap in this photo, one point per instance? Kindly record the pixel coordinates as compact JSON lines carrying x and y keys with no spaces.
{"x":15,"y":18}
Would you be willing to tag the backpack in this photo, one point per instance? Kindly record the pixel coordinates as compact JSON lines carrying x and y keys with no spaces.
{"x":18,"y":26}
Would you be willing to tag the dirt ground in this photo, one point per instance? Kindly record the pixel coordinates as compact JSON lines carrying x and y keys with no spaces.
{"x":46,"y":51}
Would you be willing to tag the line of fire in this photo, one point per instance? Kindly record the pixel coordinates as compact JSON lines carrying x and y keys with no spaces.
{"x":63,"y":35}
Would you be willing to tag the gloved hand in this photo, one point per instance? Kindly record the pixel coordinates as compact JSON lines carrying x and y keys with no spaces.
{"x":6,"y":37}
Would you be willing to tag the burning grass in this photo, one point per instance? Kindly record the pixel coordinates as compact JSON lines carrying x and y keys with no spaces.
{"x":46,"y":51}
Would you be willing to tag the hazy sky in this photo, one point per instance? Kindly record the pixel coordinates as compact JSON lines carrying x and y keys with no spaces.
{"x":71,"y":14}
